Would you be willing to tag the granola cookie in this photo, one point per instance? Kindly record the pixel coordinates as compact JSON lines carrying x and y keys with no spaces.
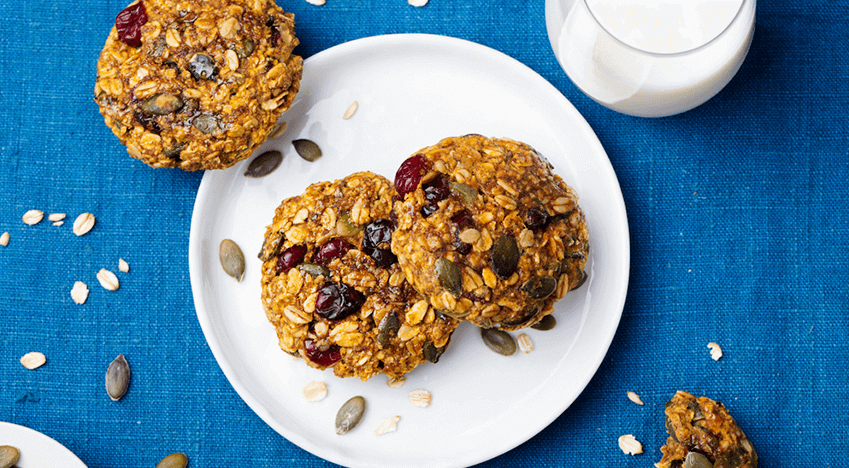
{"x":703,"y":434}
{"x":487,"y":232}
{"x":334,"y":291}
{"x":197,"y":84}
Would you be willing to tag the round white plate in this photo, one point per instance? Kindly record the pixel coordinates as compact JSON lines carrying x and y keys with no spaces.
{"x":37,"y":450}
{"x":412,"y":91}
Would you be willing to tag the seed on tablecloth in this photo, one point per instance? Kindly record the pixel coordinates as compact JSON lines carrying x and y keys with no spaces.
{"x":630,"y":445}
{"x":33,"y":360}
{"x":118,"y":378}
{"x":107,"y":279}
{"x":351,"y":109}
{"x":8,"y":456}
{"x":56,"y":217}
{"x":635,"y":398}
{"x":350,"y":414}
{"x":387,"y":425}
{"x":123,"y":266}
{"x":232,"y":259}
{"x":32,"y":217}
{"x":417,"y":3}
{"x":315,"y":391}
{"x":715,"y":351}
{"x":83,"y":224}
{"x":4,"y":239}
{"x":175,"y":460}
{"x":79,"y":293}
{"x":420,"y":398}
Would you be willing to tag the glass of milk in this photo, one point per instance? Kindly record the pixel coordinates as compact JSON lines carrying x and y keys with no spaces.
{"x":650,"y":58}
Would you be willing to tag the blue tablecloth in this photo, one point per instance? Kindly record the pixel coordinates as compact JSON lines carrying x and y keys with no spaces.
{"x":737,"y":211}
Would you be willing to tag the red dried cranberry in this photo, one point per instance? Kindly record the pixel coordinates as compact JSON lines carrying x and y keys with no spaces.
{"x":410,"y":174}
{"x":333,"y":249}
{"x":291,"y":257}
{"x":376,"y":233}
{"x":336,"y":301}
{"x":384,"y":257}
{"x":536,"y":219}
{"x":324,"y":358}
{"x":461,"y":247}
{"x":128,"y":23}
{"x":429,"y":209}
{"x":437,"y":189}
{"x":463,"y":220}
{"x":275,"y":34}
{"x":147,"y":122}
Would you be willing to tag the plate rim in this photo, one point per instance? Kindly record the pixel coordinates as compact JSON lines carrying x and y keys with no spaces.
{"x":42,"y":438}
{"x":617,"y":209}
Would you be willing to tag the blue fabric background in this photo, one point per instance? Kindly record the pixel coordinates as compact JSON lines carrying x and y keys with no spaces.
{"x":737,"y":211}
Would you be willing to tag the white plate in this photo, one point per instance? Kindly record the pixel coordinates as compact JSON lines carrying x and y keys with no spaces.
{"x":412,"y":91}
{"x":37,"y":450}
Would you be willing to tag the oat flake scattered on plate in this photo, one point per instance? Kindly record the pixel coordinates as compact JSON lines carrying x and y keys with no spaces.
{"x":315,"y":391}
{"x":387,"y":425}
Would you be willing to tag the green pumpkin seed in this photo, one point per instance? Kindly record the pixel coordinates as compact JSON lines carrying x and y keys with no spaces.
{"x":539,"y":287}
{"x":264,"y":164}
{"x":449,"y":276}
{"x":174,"y":153}
{"x":207,"y":123}
{"x":9,"y":456}
{"x":669,"y":429}
{"x":467,"y":194}
{"x":244,"y":48}
{"x":582,"y":279}
{"x":118,"y":378}
{"x":431,"y":352}
{"x":499,"y":341}
{"x":162,"y":104}
{"x":345,"y":227}
{"x":314,"y":269}
{"x":505,"y":257}
{"x":175,"y":460}
{"x":387,"y":329}
{"x":547,"y":323}
{"x":270,"y":246}
{"x":528,"y":313}
{"x":350,"y":414}
{"x":307,"y":149}
{"x":232,"y":259}
{"x":697,"y":460}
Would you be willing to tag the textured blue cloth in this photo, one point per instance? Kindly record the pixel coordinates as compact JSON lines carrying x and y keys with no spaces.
{"x":737,"y":211}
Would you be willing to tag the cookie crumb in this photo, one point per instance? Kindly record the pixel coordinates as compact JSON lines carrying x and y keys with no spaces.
{"x":715,"y":351}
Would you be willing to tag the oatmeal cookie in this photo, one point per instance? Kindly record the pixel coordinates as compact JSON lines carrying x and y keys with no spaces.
{"x":487,"y":232}
{"x":703,"y":434}
{"x":334,"y":291}
{"x":197,"y":84}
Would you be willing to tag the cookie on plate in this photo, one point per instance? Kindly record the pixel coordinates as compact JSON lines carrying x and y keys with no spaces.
{"x":703,"y":434}
{"x":334,"y":291}
{"x":487,"y":232}
{"x":195,"y":84}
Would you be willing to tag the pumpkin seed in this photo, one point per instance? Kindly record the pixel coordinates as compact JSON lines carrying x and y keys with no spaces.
{"x":505,"y":257}
{"x":539,"y":287}
{"x":547,"y":323}
{"x":345,"y":227}
{"x":207,"y":124}
{"x":202,"y":67}
{"x":8,"y":456}
{"x":314,"y":269}
{"x":270,"y":246}
{"x":350,"y":414}
{"x":244,"y":48}
{"x":264,"y":164}
{"x":162,"y":104}
{"x":387,"y":329}
{"x":449,"y":276}
{"x":278,"y":131}
{"x":118,"y":378}
{"x":174,"y":152}
{"x":582,"y":280}
{"x":499,"y":341}
{"x":232,"y":259}
{"x":307,"y":149}
{"x":175,"y":460}
{"x":669,"y":429}
{"x":431,"y":352}
{"x":697,"y":460}
{"x":467,"y":194}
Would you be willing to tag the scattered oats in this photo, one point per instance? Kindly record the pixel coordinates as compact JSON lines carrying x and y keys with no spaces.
{"x":350,"y":112}
{"x":123,"y":266}
{"x":525,"y":343}
{"x":33,"y":360}
{"x":715,"y":351}
{"x":33,"y":217}
{"x":387,"y":425}
{"x":417,"y":3}
{"x":58,"y":223}
{"x":629,"y":445}
{"x":420,"y":398}
{"x":395,"y":382}
{"x":79,"y":293}
{"x":315,"y":391}
{"x":635,"y":398}
{"x":280,"y":129}
{"x":56,"y":216}
{"x":316,"y":2}
{"x":83,"y":224}
{"x":4,"y":239}
{"x":107,"y":279}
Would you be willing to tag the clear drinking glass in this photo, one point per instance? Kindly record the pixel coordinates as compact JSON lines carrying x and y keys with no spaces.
{"x":650,"y":58}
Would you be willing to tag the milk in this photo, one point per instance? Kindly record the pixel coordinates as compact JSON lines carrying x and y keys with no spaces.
{"x":650,"y":58}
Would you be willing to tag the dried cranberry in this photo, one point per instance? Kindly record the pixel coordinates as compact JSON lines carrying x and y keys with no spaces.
{"x":429,"y":209}
{"x":147,"y":122}
{"x":336,"y":301}
{"x":275,"y":33}
{"x":410,"y":174}
{"x":333,"y":249}
{"x":128,"y":23}
{"x":463,"y":220}
{"x":384,"y":257}
{"x":376,"y":233}
{"x":291,"y":257}
{"x":437,"y":189}
{"x":324,"y":358}
{"x":461,"y":247}
{"x":536,"y":219}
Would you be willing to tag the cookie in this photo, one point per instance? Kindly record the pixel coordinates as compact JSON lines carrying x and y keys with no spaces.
{"x":194,"y":84}
{"x":703,"y":434}
{"x":486,"y":232}
{"x":334,"y":291}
